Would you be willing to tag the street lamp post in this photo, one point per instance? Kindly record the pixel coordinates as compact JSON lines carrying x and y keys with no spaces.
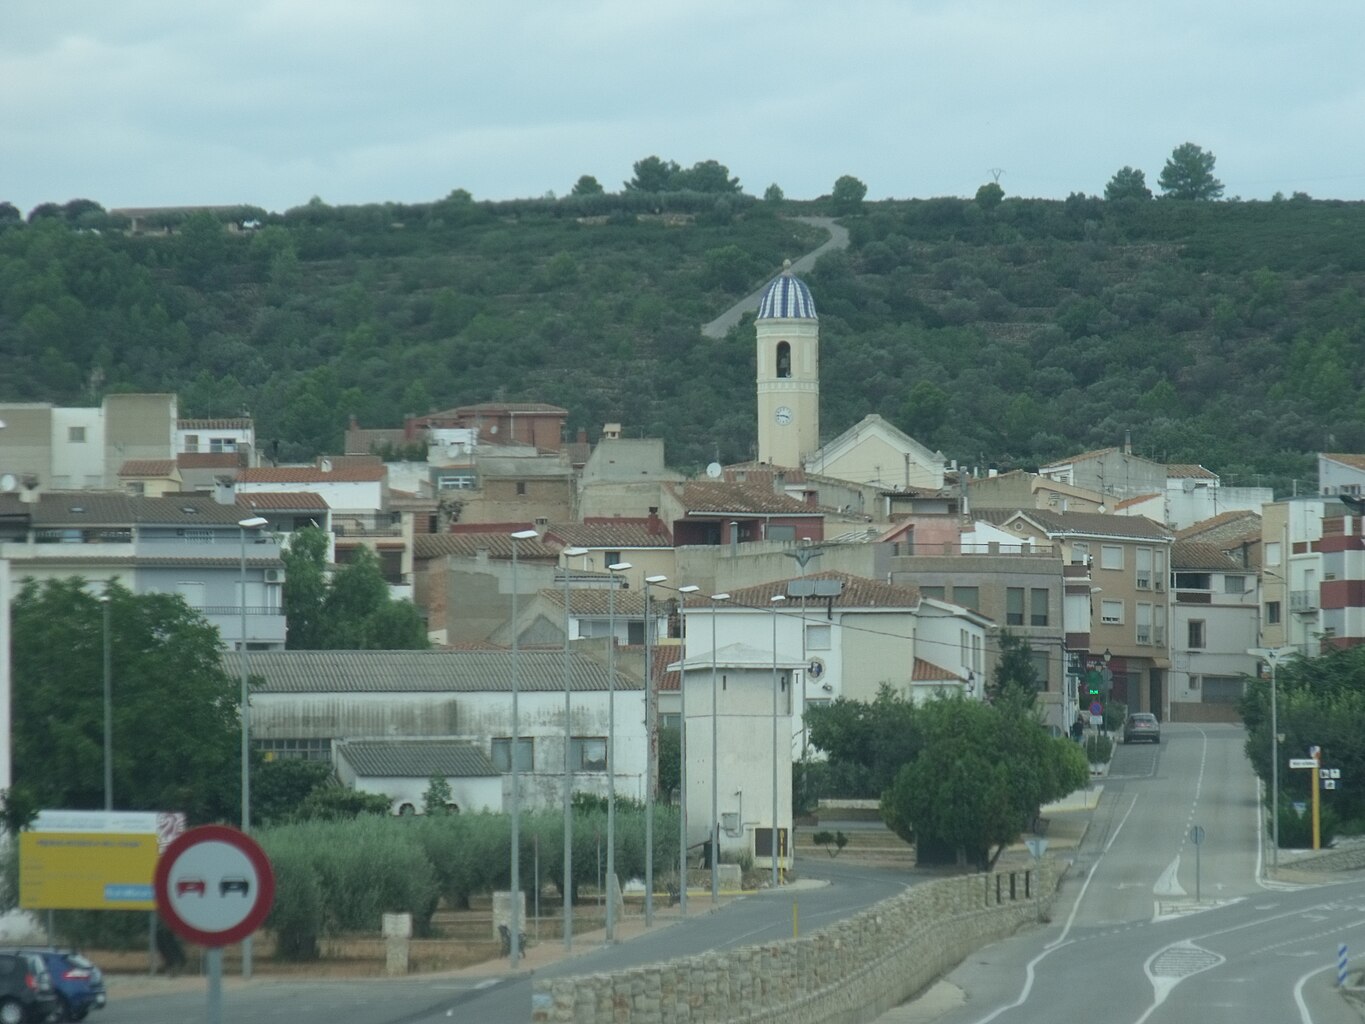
{"x":714,"y":828}
{"x":614,"y":568}
{"x":251,"y":523}
{"x":775,"y":600}
{"x":651,"y":749}
{"x":1273,"y":655}
{"x":570,"y":552}
{"x":683,"y":594}
{"x":514,"y":897}
{"x":108,"y":710}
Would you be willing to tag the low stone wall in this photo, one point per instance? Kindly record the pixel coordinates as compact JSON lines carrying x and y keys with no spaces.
{"x":848,"y":973}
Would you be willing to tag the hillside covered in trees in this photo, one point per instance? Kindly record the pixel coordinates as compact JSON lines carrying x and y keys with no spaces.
{"x":1003,"y":331}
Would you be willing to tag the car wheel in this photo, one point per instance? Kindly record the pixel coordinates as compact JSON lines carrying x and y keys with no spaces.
{"x":78,"y":1014}
{"x":11,"y":1012}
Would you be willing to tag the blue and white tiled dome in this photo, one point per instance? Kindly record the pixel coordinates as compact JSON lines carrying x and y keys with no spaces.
{"x":787,"y":298}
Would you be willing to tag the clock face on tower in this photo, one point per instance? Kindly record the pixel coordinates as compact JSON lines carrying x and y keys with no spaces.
{"x":783,"y":415}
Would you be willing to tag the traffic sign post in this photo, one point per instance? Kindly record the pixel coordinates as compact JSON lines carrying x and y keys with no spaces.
{"x":1196,"y":837}
{"x":214,"y":886}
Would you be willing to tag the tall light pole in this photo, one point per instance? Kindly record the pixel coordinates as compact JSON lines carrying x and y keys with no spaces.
{"x":1273,"y":655}
{"x":514,"y":897}
{"x":570,"y":552}
{"x":651,"y":749}
{"x":804,"y":555}
{"x":250,"y":523}
{"x":775,"y":600}
{"x":714,"y":828}
{"x":614,"y":568}
{"x":108,"y":710}
{"x":683,"y":594}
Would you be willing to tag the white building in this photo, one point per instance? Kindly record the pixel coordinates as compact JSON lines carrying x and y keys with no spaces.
{"x":1214,"y":621}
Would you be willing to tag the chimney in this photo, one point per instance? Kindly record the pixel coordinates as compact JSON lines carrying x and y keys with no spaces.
{"x":655,"y":525}
{"x":224,"y":490}
{"x":582,"y":435}
{"x":29,"y":495}
{"x":409,"y":427}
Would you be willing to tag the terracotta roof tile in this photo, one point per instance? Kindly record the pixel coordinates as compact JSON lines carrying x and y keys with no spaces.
{"x":858,"y":592}
{"x":498,"y":545}
{"x":927,"y":672}
{"x":612,"y":533}
{"x":223,"y":424}
{"x":299,"y":501}
{"x":717,"y":497}
{"x":1192,"y":554}
{"x":1179,"y":471}
{"x":341,"y":472}
{"x":1354,"y":461}
{"x":208,"y":460}
{"x":147,"y":467}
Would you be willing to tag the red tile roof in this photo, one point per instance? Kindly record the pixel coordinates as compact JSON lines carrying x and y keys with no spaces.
{"x":927,"y":672}
{"x":858,"y":592}
{"x":341,"y":472}
{"x":296,"y":501}
{"x":147,"y":467}
{"x":208,"y":460}
{"x":1354,"y":461}
{"x":1178,"y":470}
{"x":716,"y":497}
{"x":612,"y":533}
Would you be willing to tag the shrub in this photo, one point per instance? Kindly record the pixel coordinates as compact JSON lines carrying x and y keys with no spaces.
{"x":1098,"y":749}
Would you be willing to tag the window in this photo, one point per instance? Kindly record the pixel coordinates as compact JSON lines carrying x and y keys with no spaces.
{"x":1272,"y":553}
{"x":1111,"y":612}
{"x":818,"y":637}
{"x":455,"y":482}
{"x":1234,"y":584}
{"x":968,"y":597}
{"x":521,"y":486}
{"x":221,"y":445}
{"x":635,"y":633}
{"x":1272,"y":613}
{"x":1143,"y":558}
{"x":1111,"y":556}
{"x":1159,"y":625}
{"x":1039,"y":661}
{"x":1159,"y":570}
{"x":501,"y":754}
{"x":1196,"y":634}
{"x":1037,"y":612}
{"x":295,"y":749}
{"x":1194,"y":580}
{"x":588,"y":753}
{"x":136,"y":488}
{"x":1080,"y":553}
{"x":1014,"y":606}
{"x":936,"y":593}
{"x":76,"y":435}
{"x":611,"y":558}
{"x":978,"y":650}
{"x":783,"y":533}
{"x":191,"y":442}
{"x":1143,"y":625}
{"x":784,"y":359}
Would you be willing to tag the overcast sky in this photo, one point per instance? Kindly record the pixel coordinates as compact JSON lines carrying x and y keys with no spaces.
{"x":271,"y":102}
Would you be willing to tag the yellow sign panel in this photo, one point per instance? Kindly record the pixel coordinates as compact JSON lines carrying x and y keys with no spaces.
{"x":87,"y":870}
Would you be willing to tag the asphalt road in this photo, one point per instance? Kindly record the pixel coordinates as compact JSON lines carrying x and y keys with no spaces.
{"x":753,"y":919}
{"x":1152,"y":929}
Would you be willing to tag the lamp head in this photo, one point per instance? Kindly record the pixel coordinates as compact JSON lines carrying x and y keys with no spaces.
{"x":253,"y":523}
{"x":573,"y":552}
{"x":720,"y":597}
{"x":524,"y":535}
{"x":656,"y":579}
{"x":619,"y":567}
{"x":691,"y":588}
{"x":777,"y":598}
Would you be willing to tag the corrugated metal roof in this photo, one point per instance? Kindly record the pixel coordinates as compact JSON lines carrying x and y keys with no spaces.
{"x":416,"y":759}
{"x":421,"y":671}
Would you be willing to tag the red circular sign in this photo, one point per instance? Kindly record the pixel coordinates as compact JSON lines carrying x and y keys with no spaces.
{"x":214,"y":885}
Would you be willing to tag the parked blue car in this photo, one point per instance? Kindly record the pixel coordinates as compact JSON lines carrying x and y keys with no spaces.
{"x":77,"y":983}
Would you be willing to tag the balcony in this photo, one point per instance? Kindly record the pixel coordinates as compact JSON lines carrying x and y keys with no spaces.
{"x":1304,"y":602}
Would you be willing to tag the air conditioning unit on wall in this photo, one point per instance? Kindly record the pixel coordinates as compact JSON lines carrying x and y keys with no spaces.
{"x":274,"y":575}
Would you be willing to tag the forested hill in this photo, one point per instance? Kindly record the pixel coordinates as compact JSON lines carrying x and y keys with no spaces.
{"x":1003,"y":333}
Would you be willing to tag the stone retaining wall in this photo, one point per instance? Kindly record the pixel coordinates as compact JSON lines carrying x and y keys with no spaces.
{"x":848,"y":973}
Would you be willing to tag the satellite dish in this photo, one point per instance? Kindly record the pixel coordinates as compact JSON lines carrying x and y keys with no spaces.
{"x":326,"y":465}
{"x":8,"y":482}
{"x":713,"y":471}
{"x":1187,"y":485}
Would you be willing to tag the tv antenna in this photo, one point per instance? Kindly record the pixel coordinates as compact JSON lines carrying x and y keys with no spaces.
{"x":995,"y":173}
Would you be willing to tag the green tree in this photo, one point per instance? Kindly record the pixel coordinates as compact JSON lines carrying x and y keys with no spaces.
{"x":587,"y":185}
{"x":438,"y":798}
{"x":10,"y":215}
{"x":1127,"y":183}
{"x":978,"y":780}
{"x":773,"y":194}
{"x":279,"y":787}
{"x":705,"y":176}
{"x":1188,"y":174}
{"x":670,"y":769}
{"x":848,"y":195}
{"x":990,"y":195}
{"x":653,"y":175}
{"x":350,"y":611}
{"x":926,"y":409}
{"x":175,"y":712}
{"x":1015,"y":680}
{"x":878,"y":737}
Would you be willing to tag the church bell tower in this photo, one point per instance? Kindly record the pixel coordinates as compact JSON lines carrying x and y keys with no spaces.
{"x":788,"y":372}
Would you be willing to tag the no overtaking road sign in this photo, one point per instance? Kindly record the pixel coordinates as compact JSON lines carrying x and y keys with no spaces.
{"x":214,"y":886}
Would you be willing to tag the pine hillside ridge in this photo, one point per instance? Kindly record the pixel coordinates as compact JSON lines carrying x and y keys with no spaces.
{"x":1003,"y":334}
